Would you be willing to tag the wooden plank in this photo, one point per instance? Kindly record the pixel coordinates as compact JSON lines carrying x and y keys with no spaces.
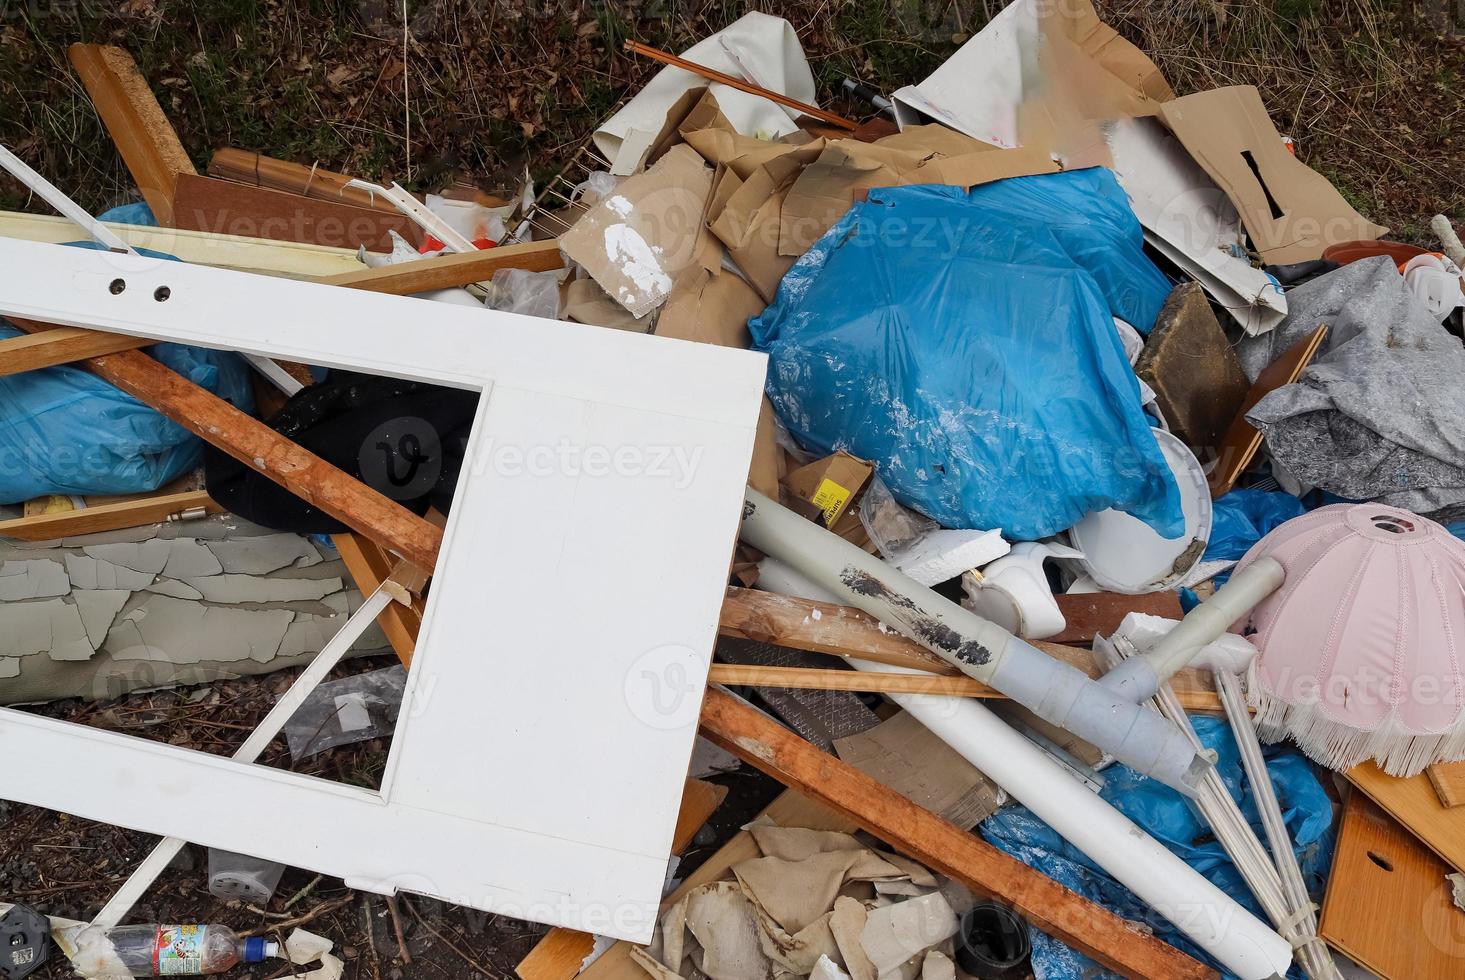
{"x":107,"y":517}
{"x":445,"y":271}
{"x":843,"y":631}
{"x":1388,"y":904}
{"x":221,"y":207}
{"x":1448,"y":780}
{"x":256,"y":169}
{"x":265,"y":450}
{"x":60,"y":345}
{"x":790,"y":809}
{"x":559,"y":954}
{"x":369,"y":566}
{"x":1414,"y":803}
{"x":1087,"y":614}
{"x":290,"y":259}
{"x":940,"y":845}
{"x":1242,"y":439}
{"x":136,"y":122}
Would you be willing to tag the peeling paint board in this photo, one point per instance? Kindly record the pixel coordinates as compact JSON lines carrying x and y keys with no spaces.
{"x":600,"y":686}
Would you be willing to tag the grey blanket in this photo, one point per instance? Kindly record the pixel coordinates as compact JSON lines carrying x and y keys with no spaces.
{"x":1380,"y":414}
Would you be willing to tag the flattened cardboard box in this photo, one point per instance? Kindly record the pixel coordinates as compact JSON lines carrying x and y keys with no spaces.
{"x":1290,"y":211}
{"x":831,"y":483}
{"x":634,"y":241}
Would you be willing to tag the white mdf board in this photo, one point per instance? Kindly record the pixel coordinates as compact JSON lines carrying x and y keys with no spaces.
{"x":553,"y":699}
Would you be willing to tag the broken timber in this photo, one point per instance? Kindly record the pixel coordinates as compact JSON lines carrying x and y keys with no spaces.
{"x":61,"y":345}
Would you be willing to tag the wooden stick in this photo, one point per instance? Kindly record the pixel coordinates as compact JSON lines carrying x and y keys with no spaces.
{"x":822,"y":679}
{"x":149,"y":146}
{"x":267,"y":452}
{"x":107,"y":517}
{"x":459,"y":269}
{"x":942,"y":846}
{"x":61,"y":345}
{"x":712,"y":75}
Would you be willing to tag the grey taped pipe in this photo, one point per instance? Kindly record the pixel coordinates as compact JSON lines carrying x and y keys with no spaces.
{"x":1057,"y":692}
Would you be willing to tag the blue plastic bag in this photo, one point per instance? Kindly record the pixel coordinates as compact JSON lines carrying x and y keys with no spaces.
{"x":964,"y":341}
{"x":1172,"y":820}
{"x":66,"y":431}
{"x":1241,"y":518}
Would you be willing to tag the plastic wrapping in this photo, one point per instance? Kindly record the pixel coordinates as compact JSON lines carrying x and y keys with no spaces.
{"x":352,"y":709}
{"x":529,"y":293}
{"x":1170,"y":818}
{"x":964,"y":341}
{"x":65,"y":431}
{"x":1241,"y":518}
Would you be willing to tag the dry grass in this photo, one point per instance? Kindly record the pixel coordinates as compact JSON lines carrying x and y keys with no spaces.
{"x":1369,"y":88}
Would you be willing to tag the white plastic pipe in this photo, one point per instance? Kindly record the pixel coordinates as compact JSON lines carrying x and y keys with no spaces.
{"x":1055,"y":691}
{"x":1242,"y":943}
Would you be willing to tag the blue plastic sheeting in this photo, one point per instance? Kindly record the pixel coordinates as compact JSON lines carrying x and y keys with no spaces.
{"x":1241,"y":518}
{"x":964,"y":341}
{"x":65,"y":431}
{"x":130,"y":214}
{"x":1171,"y":819}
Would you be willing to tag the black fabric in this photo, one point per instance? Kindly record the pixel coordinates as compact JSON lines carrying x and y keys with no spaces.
{"x":402,"y":438}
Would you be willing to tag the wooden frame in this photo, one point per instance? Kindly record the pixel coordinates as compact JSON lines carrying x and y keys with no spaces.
{"x":567,"y":584}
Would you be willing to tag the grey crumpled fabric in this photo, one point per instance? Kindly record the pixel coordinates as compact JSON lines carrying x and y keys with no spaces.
{"x":1380,"y":414}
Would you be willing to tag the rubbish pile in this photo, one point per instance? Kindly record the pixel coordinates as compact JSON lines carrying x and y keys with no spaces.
{"x":1049,"y":479}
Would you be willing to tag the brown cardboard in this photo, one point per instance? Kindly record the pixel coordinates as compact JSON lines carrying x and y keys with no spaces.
{"x":933,"y":138}
{"x":635,"y":241}
{"x":585,"y":302}
{"x":1290,"y":211}
{"x":1100,"y":42}
{"x":831,"y":483}
{"x":749,"y":223}
{"x":744,"y":154}
{"x":828,"y":186}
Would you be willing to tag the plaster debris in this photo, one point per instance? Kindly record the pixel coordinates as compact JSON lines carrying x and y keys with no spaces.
{"x":181,"y":632}
{"x":35,"y":578}
{"x":98,"y":608}
{"x":246,"y":588}
{"x":92,"y":573}
{"x":52,"y":627}
{"x":175,"y":588}
{"x":147,"y":556}
{"x":9,"y":666}
{"x":188,"y":558}
{"x":894,"y":934}
{"x":264,"y":554}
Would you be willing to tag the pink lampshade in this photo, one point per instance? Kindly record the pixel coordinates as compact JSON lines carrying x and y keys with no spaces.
{"x":1360,"y":650}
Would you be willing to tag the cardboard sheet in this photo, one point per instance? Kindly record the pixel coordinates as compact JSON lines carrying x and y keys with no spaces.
{"x":1038,"y":74}
{"x":636,"y":240}
{"x":1290,"y":211}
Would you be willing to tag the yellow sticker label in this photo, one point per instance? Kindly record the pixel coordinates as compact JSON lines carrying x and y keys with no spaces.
{"x":830,"y":497}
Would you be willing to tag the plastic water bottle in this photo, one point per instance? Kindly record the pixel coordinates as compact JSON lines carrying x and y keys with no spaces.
{"x":186,"y":950}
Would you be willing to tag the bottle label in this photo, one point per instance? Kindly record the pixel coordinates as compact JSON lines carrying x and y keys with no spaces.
{"x":178,"y":951}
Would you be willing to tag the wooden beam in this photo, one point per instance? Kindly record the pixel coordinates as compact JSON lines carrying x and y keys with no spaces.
{"x":842,"y":631}
{"x":940,"y":845}
{"x":150,"y":148}
{"x":221,"y":207}
{"x":107,"y":517}
{"x":262,"y":449}
{"x":258,"y":170}
{"x":445,"y":271}
{"x":559,"y":954}
{"x":60,"y":345}
{"x":369,"y":566}
{"x":1087,"y":614}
